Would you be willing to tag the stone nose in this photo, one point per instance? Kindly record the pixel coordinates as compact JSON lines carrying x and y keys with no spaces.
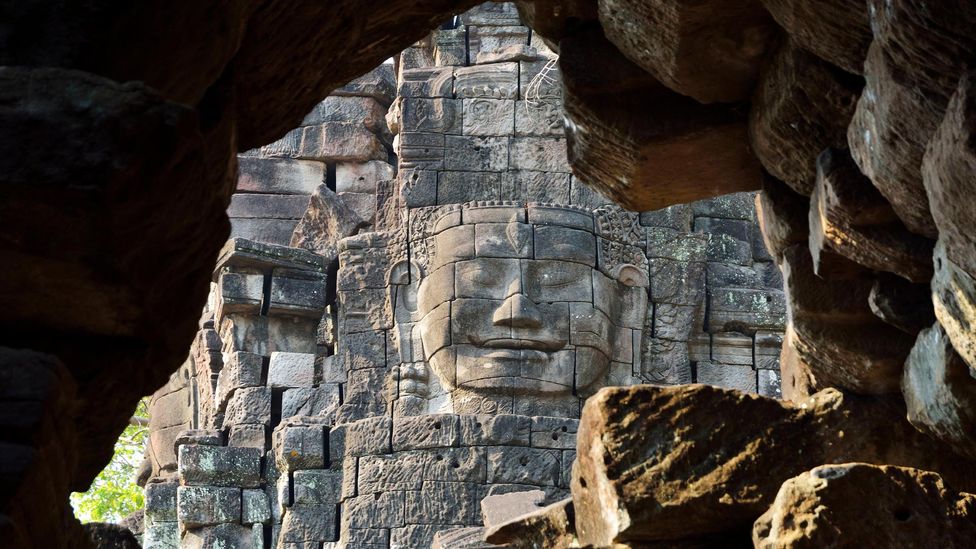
{"x":518,"y":311}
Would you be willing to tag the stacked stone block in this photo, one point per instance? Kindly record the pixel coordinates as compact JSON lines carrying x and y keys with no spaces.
{"x":718,"y":304}
{"x":344,"y":143}
{"x":395,"y":482}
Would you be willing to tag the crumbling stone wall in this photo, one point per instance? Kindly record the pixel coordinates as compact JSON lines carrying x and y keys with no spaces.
{"x":315,"y":411}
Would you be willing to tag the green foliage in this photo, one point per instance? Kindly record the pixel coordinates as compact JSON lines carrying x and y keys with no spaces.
{"x":114,"y":494}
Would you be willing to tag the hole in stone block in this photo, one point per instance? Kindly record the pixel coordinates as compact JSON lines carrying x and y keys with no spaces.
{"x":523,"y":461}
{"x":903,"y":515}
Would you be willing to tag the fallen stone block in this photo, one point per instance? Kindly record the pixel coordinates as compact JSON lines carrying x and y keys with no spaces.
{"x":659,"y":463}
{"x":501,"y":508}
{"x":551,"y":527}
{"x":861,"y":505}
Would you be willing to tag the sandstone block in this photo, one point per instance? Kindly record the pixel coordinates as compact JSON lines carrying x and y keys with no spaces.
{"x":861,"y":504}
{"x":667,"y":243}
{"x":279,"y":175}
{"x":939,"y":392}
{"x":199,"y":506}
{"x":240,"y":291}
{"x":496,"y":430}
{"x":247,"y":436}
{"x":728,"y":376}
{"x":632,"y":488}
{"x":547,"y":528}
{"x":500,"y":508}
{"x":442,"y":503}
{"x":240,"y":370}
{"x":538,"y":467}
{"x":269,"y":206}
{"x":484,"y":116}
{"x":327,"y":220}
{"x":745,"y":310}
{"x":421,"y":150}
{"x":488,"y":39}
{"x":782,"y":215}
{"x":450,"y":47}
{"x":299,"y":446}
{"x":328,"y":142}
{"x":552,"y":432}
{"x":160,"y":502}
{"x":162,"y":535}
{"x":291,"y":370}
{"x":362,"y":110}
{"x":379,"y":83}
{"x":377,"y":510}
{"x":439,"y":115}
{"x":678,"y":217}
{"x":427,"y":82}
{"x":849,"y":217}
{"x":474,"y":153}
{"x":363,"y":437}
{"x":801,"y":106}
{"x":546,"y":154}
{"x":297,"y":294}
{"x":317,"y":487}
{"x":255,"y":508}
{"x":498,"y":14}
{"x":310,"y":401}
{"x":770,"y":383}
{"x":266,"y":231}
{"x":223,"y":535}
{"x":430,"y":431}
{"x":497,"y":81}
{"x":954,"y":301}
{"x":459,"y":187}
{"x":534,"y":186}
{"x":539,"y":117}
{"x":220,"y":466}
{"x":309,"y":523}
{"x":904,"y":305}
{"x":836,"y":31}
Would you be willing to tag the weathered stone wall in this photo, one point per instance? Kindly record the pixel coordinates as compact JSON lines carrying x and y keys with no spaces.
{"x":316,"y":411}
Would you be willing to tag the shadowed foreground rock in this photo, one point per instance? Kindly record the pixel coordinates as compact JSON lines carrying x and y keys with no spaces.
{"x":668,"y":463}
{"x":861,"y":505}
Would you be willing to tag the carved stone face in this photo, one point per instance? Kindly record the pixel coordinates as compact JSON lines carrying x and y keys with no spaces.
{"x":524,"y":306}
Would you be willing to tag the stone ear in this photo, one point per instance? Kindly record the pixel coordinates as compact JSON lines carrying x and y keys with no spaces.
{"x":404,"y":281}
{"x":631,"y":275}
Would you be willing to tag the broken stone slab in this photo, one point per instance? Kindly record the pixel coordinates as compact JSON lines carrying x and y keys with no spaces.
{"x":797,"y":379}
{"x":801,"y":106}
{"x":220,"y":466}
{"x":862,"y":505}
{"x":304,"y":523}
{"x":551,"y":527}
{"x":645,"y":483}
{"x":505,"y":54}
{"x":673,"y":43}
{"x":939,"y":392}
{"x":247,"y":436}
{"x":310,"y":401}
{"x":361,"y":110}
{"x":240,"y":370}
{"x":641,"y":143}
{"x":486,"y":40}
{"x":501,"y":508}
{"x":327,"y":220}
{"x":849,"y":217}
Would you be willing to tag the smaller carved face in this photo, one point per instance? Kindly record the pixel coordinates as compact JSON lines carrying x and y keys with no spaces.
{"x":522,"y":306}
